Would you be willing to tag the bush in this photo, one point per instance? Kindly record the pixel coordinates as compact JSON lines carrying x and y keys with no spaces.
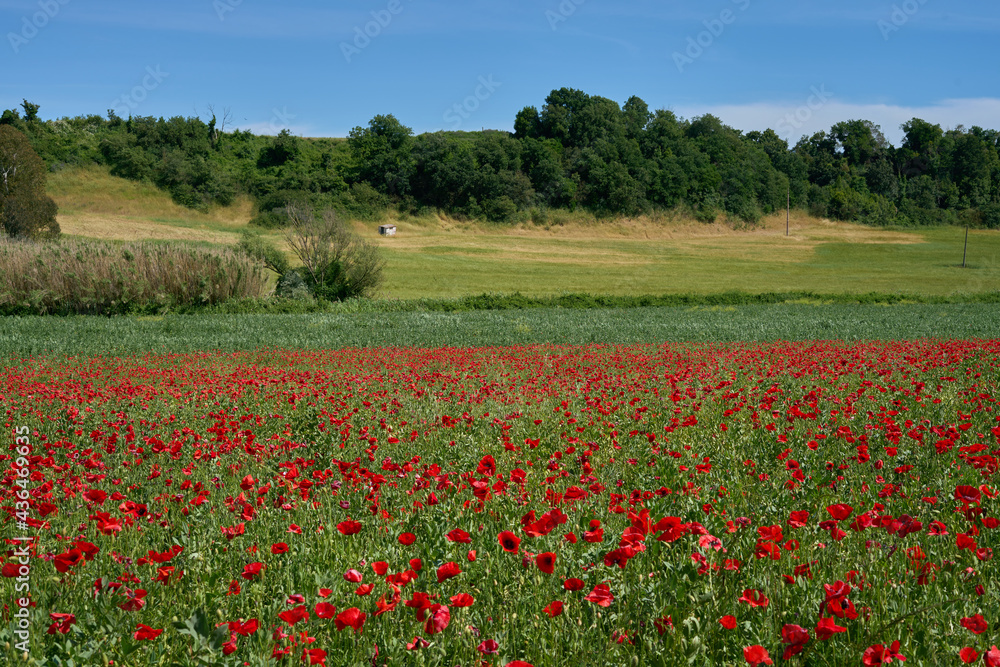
{"x":337,"y":264}
{"x":259,"y":249}
{"x":272,"y":209}
{"x":991,"y":216}
{"x":25,"y":210}
{"x":363,"y":202}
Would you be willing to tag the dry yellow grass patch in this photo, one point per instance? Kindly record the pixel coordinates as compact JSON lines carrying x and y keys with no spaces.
{"x":630,"y":240}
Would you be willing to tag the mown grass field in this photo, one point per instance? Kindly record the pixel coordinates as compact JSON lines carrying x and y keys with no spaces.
{"x":433,"y":257}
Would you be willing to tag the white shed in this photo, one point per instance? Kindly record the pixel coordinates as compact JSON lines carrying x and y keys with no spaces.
{"x":387,"y":230}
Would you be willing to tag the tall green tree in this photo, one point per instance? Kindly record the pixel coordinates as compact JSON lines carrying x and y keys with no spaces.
{"x":382,"y":154}
{"x":25,"y":210}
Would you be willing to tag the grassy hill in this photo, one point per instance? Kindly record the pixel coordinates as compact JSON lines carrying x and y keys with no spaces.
{"x":437,"y":256}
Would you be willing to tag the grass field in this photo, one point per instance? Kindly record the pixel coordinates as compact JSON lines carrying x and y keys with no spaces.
{"x":437,"y":258}
{"x":29,"y":336}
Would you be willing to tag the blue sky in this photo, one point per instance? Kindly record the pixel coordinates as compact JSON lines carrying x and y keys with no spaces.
{"x":797,"y":67}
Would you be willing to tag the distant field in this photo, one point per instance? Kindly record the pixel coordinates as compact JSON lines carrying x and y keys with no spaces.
{"x":436,"y":258}
{"x":72,"y":336}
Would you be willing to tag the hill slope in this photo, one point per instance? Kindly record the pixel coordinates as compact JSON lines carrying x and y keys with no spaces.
{"x":437,"y":256}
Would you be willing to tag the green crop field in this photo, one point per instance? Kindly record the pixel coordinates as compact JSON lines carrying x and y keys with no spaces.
{"x":27,"y":336}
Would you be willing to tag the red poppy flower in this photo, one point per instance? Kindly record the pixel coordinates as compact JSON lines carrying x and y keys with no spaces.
{"x":252,"y":570}
{"x":728,"y":622}
{"x":546,"y":562}
{"x":754,"y":598}
{"x":663,"y":624}
{"x":380,"y":567}
{"x":963,"y":541}
{"x":351,"y":618}
{"x":164,"y":557}
{"x":437,"y":619}
{"x":462,"y":600}
{"x":757,"y":655}
{"x":471,"y":556}
{"x":975,"y":624}
{"x":135,"y":601}
{"x":518,"y":663}
{"x":317,"y":656}
{"x":573,"y":584}
{"x":364,"y":589}
{"x":353,"y":576}
{"x":144,"y":632}
{"x":554,"y":608}
{"x":417,"y":643}
{"x":279,"y":548}
{"x":601,"y":596}
{"x":406,"y":539}
{"x":796,"y":637}
{"x":64,"y":562}
{"x":488,"y":647}
{"x":826,"y":628}
{"x":245,"y":628}
{"x":163,"y":574}
{"x":798,"y":519}
{"x":324,"y":610}
{"x":967,"y":494}
{"x":880,"y":655}
{"x":416,"y":564}
{"x":509,"y":541}
{"x":293,"y":616}
{"x":840,"y":511}
{"x":63,"y":623}
{"x":968,"y":655}
{"x":771,"y":533}
{"x":992,"y":657}
{"x":447,"y":571}
{"x":234,"y":588}
{"x":459,"y":535}
{"x":349,"y":527}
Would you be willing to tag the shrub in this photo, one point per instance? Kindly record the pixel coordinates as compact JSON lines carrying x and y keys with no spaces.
{"x":261,"y":250}
{"x":272,"y":209}
{"x":337,"y":264}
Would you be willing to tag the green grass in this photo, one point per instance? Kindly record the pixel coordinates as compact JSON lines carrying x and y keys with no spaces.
{"x":27,"y":336}
{"x":926,"y":261}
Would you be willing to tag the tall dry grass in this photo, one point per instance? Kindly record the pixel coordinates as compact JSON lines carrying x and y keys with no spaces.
{"x":93,"y":277}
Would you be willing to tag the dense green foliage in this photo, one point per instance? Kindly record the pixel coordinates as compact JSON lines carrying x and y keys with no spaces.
{"x":21,"y":337}
{"x":577,"y":151}
{"x":25,"y":210}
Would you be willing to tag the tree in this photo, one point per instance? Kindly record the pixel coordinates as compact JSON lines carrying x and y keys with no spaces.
{"x":382,"y":153}
{"x":30,"y":111}
{"x":338,"y":264}
{"x":25,"y":210}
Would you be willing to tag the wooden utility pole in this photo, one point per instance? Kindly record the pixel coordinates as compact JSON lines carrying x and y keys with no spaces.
{"x":788,"y":208}
{"x":965,"y":251}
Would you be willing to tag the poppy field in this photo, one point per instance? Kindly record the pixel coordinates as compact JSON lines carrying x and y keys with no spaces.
{"x":801,"y":503}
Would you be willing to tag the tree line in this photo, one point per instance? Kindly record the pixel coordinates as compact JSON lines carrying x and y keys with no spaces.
{"x":577,"y":151}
